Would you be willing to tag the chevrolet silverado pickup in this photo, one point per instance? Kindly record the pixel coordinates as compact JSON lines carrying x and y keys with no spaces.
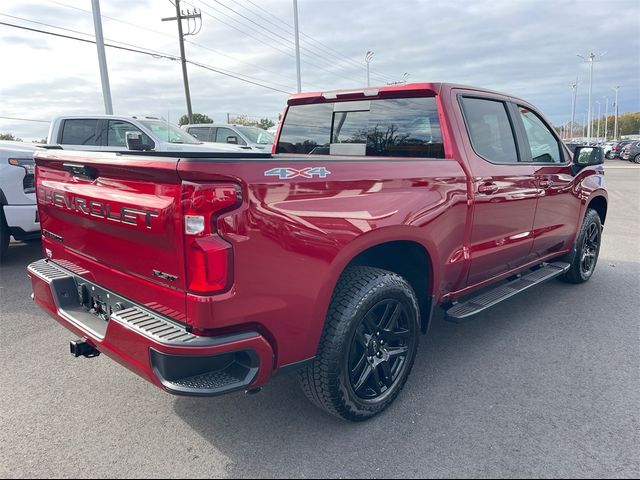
{"x":377,"y":208}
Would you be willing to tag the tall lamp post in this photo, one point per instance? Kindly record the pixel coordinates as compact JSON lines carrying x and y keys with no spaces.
{"x":367,"y":58}
{"x":615,"y":125}
{"x":574,"y":88}
{"x":599,"y":105}
{"x":591,"y":58}
{"x":606,"y":119}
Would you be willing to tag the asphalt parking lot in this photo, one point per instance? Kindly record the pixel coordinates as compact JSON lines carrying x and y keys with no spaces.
{"x":544,"y":385}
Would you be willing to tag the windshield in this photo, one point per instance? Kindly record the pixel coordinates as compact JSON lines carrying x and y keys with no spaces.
{"x":257,"y":135}
{"x":168,"y":133}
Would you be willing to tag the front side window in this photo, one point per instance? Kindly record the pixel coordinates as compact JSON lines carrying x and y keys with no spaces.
{"x":117,"y":133}
{"x":388,"y":128}
{"x":256,"y":135}
{"x":490,"y":129}
{"x":224,"y":133}
{"x":204,"y":134}
{"x":81,"y":132}
{"x":543,"y":144}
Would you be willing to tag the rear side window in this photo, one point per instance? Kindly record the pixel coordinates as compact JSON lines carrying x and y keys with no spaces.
{"x":544,"y":146}
{"x":490,"y":129}
{"x":388,"y":128}
{"x":80,"y":132}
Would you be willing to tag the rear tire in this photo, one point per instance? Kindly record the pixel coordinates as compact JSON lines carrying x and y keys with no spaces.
{"x":637,"y":159}
{"x":587,"y":250}
{"x":4,"y":236}
{"x":368,"y":345}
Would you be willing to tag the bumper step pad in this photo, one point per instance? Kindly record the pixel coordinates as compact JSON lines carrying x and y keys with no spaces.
{"x":474,"y":305}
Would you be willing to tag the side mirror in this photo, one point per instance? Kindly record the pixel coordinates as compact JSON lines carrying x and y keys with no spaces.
{"x":134,"y":141}
{"x":232,"y":139}
{"x":586,"y":156}
{"x":194,"y":135}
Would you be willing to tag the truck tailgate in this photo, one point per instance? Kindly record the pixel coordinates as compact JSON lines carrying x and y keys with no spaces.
{"x":118,"y":218}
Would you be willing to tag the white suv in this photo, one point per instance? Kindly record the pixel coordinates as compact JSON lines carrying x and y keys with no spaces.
{"x":108,"y":133}
{"x":18,"y":210}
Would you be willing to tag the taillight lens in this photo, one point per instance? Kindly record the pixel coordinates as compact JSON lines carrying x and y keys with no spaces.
{"x":209,"y":258}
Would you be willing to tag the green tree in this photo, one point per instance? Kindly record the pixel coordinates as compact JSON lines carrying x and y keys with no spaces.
{"x":197,"y":118}
{"x":266,"y":123}
{"x":9,"y":136}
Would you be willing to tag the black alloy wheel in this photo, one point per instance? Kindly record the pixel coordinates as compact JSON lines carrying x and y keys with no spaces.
{"x":590,"y":249}
{"x":379,"y":349}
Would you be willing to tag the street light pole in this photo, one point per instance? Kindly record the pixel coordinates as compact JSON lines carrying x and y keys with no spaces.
{"x":574,"y":88}
{"x":599,"y":104}
{"x":606,"y":119}
{"x":102,"y":58}
{"x":367,"y":58}
{"x":297,"y":35}
{"x":615,"y":125}
{"x":591,"y":58}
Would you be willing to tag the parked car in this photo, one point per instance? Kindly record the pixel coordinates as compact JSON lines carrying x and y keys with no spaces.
{"x":327,"y":258}
{"x":243,"y":135}
{"x":108,"y":133}
{"x":631,"y":152}
{"x":18,"y":211}
{"x":616,"y":149}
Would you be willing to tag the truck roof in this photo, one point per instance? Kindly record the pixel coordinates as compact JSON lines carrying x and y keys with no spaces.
{"x":428,"y":88}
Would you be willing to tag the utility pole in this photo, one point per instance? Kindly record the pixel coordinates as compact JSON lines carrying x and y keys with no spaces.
{"x":615,"y":125}
{"x":102,"y":58}
{"x":574,"y":88}
{"x":297,"y":35}
{"x":179,"y":17}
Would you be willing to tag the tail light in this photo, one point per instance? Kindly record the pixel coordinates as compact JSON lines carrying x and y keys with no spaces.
{"x":209,"y":258}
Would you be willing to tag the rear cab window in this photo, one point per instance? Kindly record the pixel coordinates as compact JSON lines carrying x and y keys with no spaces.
{"x":403,"y":127}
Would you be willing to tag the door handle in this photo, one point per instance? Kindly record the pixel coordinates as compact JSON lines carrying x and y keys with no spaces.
{"x":81,"y":171}
{"x":546,"y":183}
{"x":488,"y":188}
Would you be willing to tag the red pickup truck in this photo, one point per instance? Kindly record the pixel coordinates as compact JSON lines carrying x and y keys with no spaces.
{"x":211,"y":273}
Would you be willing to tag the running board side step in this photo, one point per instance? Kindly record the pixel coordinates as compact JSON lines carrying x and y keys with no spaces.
{"x":472,"y":306}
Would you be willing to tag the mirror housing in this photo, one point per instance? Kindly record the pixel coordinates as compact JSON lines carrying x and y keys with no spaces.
{"x":232,"y":139}
{"x":587,"y":156}
{"x":135,"y":141}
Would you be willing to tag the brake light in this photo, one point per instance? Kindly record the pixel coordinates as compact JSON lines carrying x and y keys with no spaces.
{"x":209,"y":258}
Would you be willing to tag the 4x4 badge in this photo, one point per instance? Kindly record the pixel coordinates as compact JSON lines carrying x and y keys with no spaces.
{"x":287,"y":173}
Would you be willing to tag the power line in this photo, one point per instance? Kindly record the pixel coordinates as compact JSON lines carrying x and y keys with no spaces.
{"x":175,"y":37}
{"x":24,"y":119}
{"x":156,"y":55}
{"x":336,"y":54}
{"x":331,"y":64}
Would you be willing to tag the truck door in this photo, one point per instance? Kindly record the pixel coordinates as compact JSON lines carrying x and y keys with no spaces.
{"x":558,"y":209}
{"x":504,"y":189}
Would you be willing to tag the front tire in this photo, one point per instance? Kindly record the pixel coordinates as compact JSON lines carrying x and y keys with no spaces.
{"x":368,"y":345}
{"x":637,"y":159}
{"x":587,"y":250}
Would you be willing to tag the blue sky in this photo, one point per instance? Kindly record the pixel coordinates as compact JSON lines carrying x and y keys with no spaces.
{"x":525,"y":48}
